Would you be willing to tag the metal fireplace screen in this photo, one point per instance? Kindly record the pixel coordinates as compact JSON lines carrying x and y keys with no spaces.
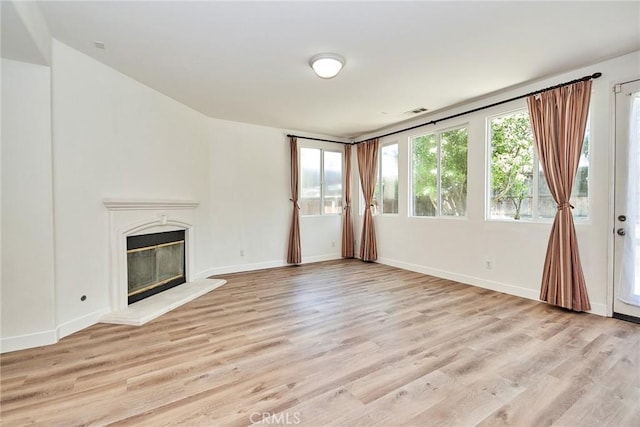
{"x":155,"y":263}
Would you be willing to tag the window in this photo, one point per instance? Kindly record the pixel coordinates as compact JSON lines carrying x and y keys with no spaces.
{"x":439,"y":173}
{"x":515,"y":173}
{"x":320,"y":181}
{"x":385,"y":197}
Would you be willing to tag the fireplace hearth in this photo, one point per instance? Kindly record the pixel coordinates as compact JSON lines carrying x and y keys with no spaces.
{"x":155,"y":263}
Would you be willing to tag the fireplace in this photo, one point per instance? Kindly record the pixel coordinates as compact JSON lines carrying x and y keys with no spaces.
{"x":138,"y":217}
{"x":161,"y":261}
{"x":155,"y":263}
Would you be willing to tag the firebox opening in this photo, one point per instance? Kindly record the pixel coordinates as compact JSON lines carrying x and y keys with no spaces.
{"x":155,"y":263}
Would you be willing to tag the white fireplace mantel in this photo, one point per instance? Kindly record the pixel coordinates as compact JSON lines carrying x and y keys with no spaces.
{"x":142,"y":204}
{"x":130,"y":217}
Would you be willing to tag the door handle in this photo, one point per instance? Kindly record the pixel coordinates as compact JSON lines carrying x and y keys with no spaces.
{"x":620,"y":232}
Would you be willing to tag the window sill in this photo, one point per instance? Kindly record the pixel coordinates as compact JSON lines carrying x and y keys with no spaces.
{"x":445,"y":217}
{"x":576,"y":221}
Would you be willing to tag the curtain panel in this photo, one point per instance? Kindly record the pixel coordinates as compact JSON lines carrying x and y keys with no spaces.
{"x":368,"y":170}
{"x":558,"y":120}
{"x":294,"y":252}
{"x":347,"y":222}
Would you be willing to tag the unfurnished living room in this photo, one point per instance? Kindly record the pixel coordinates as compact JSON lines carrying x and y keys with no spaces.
{"x":366,"y":213}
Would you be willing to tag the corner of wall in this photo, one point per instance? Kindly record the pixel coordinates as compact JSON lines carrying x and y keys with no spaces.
{"x":35,"y":29}
{"x":75,"y":325}
{"x":240,"y":268}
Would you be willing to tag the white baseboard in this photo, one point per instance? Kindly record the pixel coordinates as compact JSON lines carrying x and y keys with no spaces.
{"x":599,"y":309}
{"x":22,"y":342}
{"x":240,"y":268}
{"x":320,"y":258}
{"x":38,"y":339}
{"x":75,"y":325}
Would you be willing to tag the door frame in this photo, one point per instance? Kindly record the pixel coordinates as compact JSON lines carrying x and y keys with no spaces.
{"x":612,"y":192}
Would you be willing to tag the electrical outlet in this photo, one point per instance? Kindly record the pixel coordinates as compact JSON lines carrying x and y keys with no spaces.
{"x":488,"y":264}
{"x":333,"y":244}
{"x":241,"y":252}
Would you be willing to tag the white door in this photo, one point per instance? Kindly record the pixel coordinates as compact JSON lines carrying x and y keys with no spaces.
{"x":626,"y":298}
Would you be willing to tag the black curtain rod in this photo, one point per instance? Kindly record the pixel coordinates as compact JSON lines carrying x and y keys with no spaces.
{"x":453,"y":116}
{"x":318,"y":139}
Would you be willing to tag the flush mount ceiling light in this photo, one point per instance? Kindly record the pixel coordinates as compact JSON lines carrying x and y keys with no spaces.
{"x":326,"y":65}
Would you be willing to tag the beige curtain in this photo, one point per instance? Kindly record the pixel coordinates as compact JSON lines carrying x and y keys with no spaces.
{"x":294,"y":253}
{"x":558,"y":120}
{"x":368,"y":169}
{"x":347,"y":223}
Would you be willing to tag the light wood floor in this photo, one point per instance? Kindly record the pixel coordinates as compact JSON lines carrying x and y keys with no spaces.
{"x":336,"y":343}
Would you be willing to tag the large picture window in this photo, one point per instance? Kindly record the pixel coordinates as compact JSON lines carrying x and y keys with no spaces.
{"x":320,"y":181}
{"x":439,"y":173}
{"x":517,"y":186}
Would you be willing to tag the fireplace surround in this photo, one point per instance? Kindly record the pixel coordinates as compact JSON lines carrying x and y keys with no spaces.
{"x":130,"y":218}
{"x":135,"y":217}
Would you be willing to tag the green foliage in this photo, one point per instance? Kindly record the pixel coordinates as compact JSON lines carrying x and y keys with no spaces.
{"x":453,"y":177}
{"x":512,"y":172}
{"x":511,"y":160}
{"x":453,"y":174}
{"x":425,"y":175}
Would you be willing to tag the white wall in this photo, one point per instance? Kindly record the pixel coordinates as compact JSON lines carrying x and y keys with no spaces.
{"x":113,"y":138}
{"x":27,"y":285}
{"x":250,"y":209}
{"x":457,"y":248}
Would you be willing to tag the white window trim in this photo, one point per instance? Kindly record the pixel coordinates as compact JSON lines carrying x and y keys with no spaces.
{"x":436,"y":132}
{"x":379,"y":178}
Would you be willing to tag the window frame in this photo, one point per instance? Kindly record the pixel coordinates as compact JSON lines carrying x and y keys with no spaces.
{"x":411,"y":202}
{"x":322,"y":178}
{"x":535,"y":179}
{"x":379,"y":182}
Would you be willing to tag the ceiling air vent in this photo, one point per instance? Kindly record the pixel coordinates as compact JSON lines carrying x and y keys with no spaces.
{"x":417,"y":110}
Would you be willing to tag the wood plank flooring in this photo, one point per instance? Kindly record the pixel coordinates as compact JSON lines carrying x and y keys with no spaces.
{"x":340,"y":343}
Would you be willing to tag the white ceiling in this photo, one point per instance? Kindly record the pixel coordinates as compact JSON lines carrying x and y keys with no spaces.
{"x":248,"y":61}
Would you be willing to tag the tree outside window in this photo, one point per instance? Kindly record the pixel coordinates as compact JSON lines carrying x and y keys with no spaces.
{"x":511,"y":165}
{"x":515,"y":173}
{"x":439,"y":173}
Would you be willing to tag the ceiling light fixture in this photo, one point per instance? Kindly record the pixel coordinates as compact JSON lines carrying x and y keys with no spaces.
{"x":326,"y":65}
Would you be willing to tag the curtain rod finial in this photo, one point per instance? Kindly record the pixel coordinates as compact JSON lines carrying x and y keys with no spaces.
{"x":587,"y":78}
